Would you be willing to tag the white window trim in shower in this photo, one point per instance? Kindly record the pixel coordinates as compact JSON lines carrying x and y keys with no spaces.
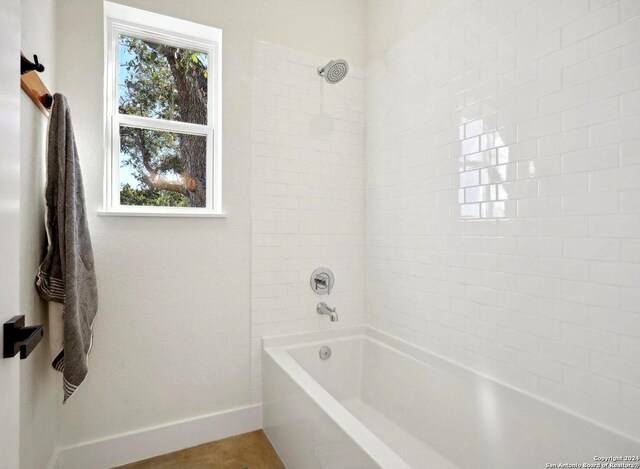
{"x":120,"y":19}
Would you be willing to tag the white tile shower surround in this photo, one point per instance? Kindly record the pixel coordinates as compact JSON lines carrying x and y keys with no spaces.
{"x":503,"y":197}
{"x":307,"y":195}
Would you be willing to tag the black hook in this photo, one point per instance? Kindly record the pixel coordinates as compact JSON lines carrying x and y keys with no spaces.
{"x":26,"y":65}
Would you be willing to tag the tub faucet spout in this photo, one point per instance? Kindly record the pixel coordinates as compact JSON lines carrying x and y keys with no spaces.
{"x":323,"y":308}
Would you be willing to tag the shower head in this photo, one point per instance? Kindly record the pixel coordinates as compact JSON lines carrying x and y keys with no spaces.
{"x":334,"y":71}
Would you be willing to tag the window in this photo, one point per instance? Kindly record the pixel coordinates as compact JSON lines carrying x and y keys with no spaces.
{"x":162,"y":115}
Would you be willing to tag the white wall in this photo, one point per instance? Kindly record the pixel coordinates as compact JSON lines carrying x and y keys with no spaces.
{"x":503,"y":190}
{"x":40,"y":384}
{"x":172,"y":336}
{"x":307,"y":193}
{"x":388,"y":22}
{"x":9,"y":228}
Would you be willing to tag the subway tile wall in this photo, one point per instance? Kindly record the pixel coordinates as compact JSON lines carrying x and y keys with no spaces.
{"x":307,"y":195}
{"x":503,"y":196}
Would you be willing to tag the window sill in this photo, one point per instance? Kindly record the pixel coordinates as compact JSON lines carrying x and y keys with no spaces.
{"x":122,"y":213}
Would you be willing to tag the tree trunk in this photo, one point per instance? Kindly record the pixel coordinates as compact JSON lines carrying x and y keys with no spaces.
{"x":192,"y":91}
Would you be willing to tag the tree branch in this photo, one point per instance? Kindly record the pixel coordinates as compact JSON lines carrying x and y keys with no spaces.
{"x":154,"y":180}
{"x":161,"y":184}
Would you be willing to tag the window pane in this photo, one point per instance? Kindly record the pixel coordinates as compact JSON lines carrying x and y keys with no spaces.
{"x":162,"y":82}
{"x":162,"y":169}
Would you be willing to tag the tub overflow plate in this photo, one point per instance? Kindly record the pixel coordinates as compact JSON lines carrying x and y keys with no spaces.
{"x":325,"y":352}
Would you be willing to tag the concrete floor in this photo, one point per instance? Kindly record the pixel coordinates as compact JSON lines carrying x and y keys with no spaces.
{"x":248,"y":451}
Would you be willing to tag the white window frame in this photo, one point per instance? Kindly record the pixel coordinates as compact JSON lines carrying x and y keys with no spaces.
{"x":120,"y":19}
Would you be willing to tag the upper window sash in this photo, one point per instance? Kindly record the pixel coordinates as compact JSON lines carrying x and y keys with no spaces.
{"x":119,"y":28}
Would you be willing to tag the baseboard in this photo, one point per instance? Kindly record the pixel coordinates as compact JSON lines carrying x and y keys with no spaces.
{"x":130,"y":447}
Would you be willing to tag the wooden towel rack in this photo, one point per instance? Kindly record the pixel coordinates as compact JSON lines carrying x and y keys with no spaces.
{"x":33,"y":86}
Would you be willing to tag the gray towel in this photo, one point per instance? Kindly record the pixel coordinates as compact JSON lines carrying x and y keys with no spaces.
{"x":66,"y":274}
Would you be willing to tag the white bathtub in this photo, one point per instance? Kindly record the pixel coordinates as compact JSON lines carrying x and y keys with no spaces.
{"x":380,"y":402}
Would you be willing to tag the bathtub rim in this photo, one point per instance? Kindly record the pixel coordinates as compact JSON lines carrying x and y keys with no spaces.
{"x":283,"y":343}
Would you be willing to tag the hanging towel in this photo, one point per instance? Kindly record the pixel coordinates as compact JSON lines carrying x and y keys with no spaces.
{"x":66,"y":274}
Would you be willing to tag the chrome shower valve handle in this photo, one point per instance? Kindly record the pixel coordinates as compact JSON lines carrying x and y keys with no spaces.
{"x":322,"y":281}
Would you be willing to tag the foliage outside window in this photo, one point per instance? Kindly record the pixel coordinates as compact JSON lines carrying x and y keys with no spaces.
{"x":163,"y":115}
